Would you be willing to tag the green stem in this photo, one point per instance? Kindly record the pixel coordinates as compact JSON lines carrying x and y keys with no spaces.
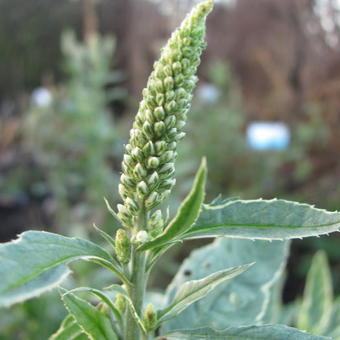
{"x":137,"y":288}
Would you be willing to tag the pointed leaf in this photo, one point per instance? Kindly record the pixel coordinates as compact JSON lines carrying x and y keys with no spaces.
{"x":316,"y":308}
{"x":192,"y":291}
{"x":242,"y":300}
{"x":267,"y":332}
{"x":263,"y":219}
{"x":35,"y":263}
{"x":69,"y":330}
{"x":187,"y":212}
{"x":103,"y":296}
{"x":94,"y":323}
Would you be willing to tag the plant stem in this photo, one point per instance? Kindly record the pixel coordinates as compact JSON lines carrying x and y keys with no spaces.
{"x":136,"y":290}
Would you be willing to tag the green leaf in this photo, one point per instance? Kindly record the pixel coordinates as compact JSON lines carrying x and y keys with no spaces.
{"x":69,"y":330}
{"x":192,"y":291}
{"x":35,"y":263}
{"x":103,"y":296}
{"x":267,"y":332}
{"x":333,"y":329}
{"x":94,"y":323}
{"x":119,"y":289}
{"x":316,"y":308}
{"x":264,"y":220}
{"x":243,"y":300}
{"x":187,"y":213}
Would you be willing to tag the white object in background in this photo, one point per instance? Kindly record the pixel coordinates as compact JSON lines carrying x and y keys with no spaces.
{"x":208,"y":93}
{"x":268,"y":136}
{"x":42,"y":97}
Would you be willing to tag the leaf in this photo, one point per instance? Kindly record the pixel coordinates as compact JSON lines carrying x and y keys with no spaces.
{"x":192,"y":291}
{"x":103,"y":296}
{"x":187,"y":212}
{"x":267,"y":332}
{"x":119,"y":289}
{"x":264,"y":220}
{"x":35,"y":263}
{"x":69,"y":330}
{"x":333,"y":329}
{"x":243,"y":300}
{"x":94,"y":323}
{"x":316,"y":307}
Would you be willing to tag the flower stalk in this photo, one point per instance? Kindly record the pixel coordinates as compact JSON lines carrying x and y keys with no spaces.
{"x":148,"y":168}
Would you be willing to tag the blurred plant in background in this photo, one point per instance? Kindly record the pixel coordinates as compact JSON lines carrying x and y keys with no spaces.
{"x":73,"y":139}
{"x":72,"y":143}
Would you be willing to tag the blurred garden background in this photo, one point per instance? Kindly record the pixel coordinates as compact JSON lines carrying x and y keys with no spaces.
{"x":266,"y":114}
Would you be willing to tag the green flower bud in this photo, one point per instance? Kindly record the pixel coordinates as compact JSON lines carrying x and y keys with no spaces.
{"x":142,"y":236}
{"x":168,"y":183}
{"x":148,"y":149}
{"x":142,"y":189}
{"x":161,"y":116}
{"x":169,"y":83}
{"x":152,"y":200}
{"x":155,"y":223}
{"x":160,"y":129}
{"x":170,"y":121}
{"x":131,"y":205}
{"x":139,"y":171}
{"x":120,"y":303}
{"x":172,"y":134}
{"x":159,"y":113}
{"x":153,"y":162}
{"x":122,"y":246}
{"x":153,"y":179}
{"x":149,"y":318}
{"x":160,"y":147}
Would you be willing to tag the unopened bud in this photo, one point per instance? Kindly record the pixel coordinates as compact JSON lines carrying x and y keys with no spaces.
{"x":120,"y":303}
{"x":142,"y":236}
{"x":122,"y":246}
{"x":149,"y":318}
{"x":153,"y":162}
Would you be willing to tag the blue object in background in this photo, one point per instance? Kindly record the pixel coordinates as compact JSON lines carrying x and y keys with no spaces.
{"x":268,"y":136}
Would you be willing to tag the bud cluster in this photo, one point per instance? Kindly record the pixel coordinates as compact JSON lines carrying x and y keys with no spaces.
{"x":148,"y":165}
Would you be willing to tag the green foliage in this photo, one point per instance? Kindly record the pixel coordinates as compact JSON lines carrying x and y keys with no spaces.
{"x":263,"y":219}
{"x":316,"y":307}
{"x":36,"y":261}
{"x":235,"y":302}
{"x":78,"y":139}
{"x":271,"y":332}
{"x":222,"y":291}
{"x":94,"y":323}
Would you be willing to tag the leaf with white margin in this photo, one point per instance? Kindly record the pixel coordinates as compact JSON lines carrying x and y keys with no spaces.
{"x":244,"y":299}
{"x":69,"y":330}
{"x":316,"y":308}
{"x":191,"y":291}
{"x":92,"y":321}
{"x":263,"y":219}
{"x":266,"y":332}
{"x":36,"y":262}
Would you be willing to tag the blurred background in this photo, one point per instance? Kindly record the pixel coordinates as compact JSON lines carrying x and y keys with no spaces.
{"x":266,"y":114}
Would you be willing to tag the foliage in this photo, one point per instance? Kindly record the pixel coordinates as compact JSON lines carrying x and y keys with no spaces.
{"x":219,"y":292}
{"x":78,"y":139}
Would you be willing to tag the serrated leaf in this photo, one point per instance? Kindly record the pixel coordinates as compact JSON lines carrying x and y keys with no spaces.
{"x":35,"y":263}
{"x":192,"y":291}
{"x":186,"y":214}
{"x":69,"y":330}
{"x":243,"y":300}
{"x":264,"y":220}
{"x":267,"y":332}
{"x":94,"y":323}
{"x":316,"y":307}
